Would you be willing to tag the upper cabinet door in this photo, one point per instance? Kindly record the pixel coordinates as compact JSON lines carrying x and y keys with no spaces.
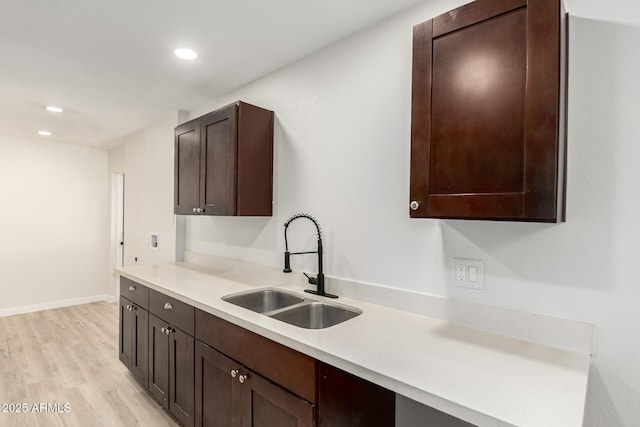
{"x":488,"y":109}
{"x":187,"y":168}
{"x":218,"y":162}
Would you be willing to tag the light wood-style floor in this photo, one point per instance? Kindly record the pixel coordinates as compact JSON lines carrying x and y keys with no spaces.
{"x":70,"y":356}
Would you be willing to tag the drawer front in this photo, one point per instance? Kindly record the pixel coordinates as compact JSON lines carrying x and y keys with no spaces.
{"x":134,"y":292}
{"x":172,"y":311}
{"x":282,"y":365}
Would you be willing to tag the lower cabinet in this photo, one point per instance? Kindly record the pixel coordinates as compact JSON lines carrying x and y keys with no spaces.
{"x":171,"y":361}
{"x":134,"y":342}
{"x":243,"y":378}
{"x":208,"y":372}
{"x":231,"y":395}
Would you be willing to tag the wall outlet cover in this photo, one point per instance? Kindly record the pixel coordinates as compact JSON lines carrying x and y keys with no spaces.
{"x":467,"y":273}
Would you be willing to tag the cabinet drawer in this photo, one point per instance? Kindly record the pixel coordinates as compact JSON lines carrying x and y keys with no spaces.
{"x":280,"y":364}
{"x":134,"y":292}
{"x":172,"y":311}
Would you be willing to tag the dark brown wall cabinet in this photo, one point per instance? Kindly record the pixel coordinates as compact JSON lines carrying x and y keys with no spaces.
{"x":224,"y":163}
{"x":488,"y":112}
{"x":134,"y":321}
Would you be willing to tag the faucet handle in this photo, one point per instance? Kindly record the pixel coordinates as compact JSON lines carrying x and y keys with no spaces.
{"x":312,"y":280}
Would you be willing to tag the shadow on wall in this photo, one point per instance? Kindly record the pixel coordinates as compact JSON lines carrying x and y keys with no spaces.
{"x":234,"y":236}
{"x":581,"y":252}
{"x":610,"y":400}
{"x":575,"y":254}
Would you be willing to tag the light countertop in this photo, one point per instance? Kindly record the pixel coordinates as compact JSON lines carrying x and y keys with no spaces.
{"x":480,"y":377}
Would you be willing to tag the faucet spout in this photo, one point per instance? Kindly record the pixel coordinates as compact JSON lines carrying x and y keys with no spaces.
{"x":319,"y":279}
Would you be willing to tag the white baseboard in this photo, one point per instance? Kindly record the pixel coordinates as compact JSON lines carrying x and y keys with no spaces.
{"x":56,"y":304}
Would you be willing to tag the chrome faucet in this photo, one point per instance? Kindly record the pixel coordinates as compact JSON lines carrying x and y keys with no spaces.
{"x":319,"y":279}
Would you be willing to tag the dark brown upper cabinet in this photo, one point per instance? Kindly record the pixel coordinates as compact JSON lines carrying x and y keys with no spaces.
{"x":488,"y":112}
{"x":224,"y":163}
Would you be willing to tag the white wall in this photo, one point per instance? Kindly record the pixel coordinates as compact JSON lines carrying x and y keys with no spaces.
{"x":146,"y":159}
{"x":53,"y":224}
{"x":342,"y":154}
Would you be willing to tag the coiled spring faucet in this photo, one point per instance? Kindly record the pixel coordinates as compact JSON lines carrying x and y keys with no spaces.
{"x":319,"y":279}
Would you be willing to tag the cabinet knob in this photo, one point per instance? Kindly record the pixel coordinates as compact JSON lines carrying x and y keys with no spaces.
{"x":168,"y":306}
{"x":128,"y":306}
{"x":162,"y":330}
{"x":195,"y":210}
{"x":132,"y":288}
{"x":242,"y":378}
{"x":234,"y":373}
{"x":414,"y":205}
{"x":167,"y":331}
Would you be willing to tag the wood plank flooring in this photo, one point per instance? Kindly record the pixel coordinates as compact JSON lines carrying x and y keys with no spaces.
{"x":62,"y":367}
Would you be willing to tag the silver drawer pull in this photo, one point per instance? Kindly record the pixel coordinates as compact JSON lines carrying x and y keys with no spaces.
{"x":132,"y":288}
{"x":168,"y":306}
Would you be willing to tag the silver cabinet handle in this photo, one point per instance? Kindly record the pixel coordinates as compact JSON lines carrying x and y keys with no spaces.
{"x":168,"y":306}
{"x":242,"y":378}
{"x":132,"y":288}
{"x":414,"y":205}
{"x":234,"y":373}
{"x":195,"y":210}
{"x":128,"y":307}
{"x":163,"y":330}
{"x":168,"y":330}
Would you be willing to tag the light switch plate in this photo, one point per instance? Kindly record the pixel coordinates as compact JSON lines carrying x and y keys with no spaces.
{"x":467,"y":273}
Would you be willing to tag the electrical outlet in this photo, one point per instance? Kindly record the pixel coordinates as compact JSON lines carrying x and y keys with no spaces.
{"x":467,"y":273}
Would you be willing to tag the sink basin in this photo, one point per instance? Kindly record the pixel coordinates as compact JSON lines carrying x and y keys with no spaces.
{"x":316,"y":315}
{"x":264,"y":300}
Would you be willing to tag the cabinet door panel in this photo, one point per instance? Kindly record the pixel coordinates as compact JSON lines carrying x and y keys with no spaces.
{"x":218,"y":394}
{"x":181,"y":380}
{"x":125,"y":335}
{"x":187,"y":168}
{"x":158,"y":360}
{"x":479,"y":86}
{"x":219,"y":162}
{"x":266,"y":404}
{"x":140,"y":357}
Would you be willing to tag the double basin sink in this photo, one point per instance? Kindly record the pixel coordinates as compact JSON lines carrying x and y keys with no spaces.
{"x":292,"y":308}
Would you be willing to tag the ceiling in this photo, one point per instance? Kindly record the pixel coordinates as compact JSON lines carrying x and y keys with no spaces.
{"x":110,"y":64}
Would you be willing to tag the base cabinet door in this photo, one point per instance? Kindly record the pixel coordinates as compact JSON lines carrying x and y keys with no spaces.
{"x":126,"y":332}
{"x":230,"y":395}
{"x":140,"y":357}
{"x":171,"y":359}
{"x":158,"y":360}
{"x":218,"y":394}
{"x":134,"y":341}
{"x":181,"y":372}
{"x":264,"y":404}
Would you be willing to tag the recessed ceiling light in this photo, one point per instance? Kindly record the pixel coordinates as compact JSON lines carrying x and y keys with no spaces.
{"x":54,"y":109}
{"x":44,"y":133}
{"x":183,"y":53}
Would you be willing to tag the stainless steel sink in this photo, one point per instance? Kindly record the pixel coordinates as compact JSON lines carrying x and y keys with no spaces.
{"x":292,"y":308}
{"x":316,"y":315}
{"x":264,"y":300}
